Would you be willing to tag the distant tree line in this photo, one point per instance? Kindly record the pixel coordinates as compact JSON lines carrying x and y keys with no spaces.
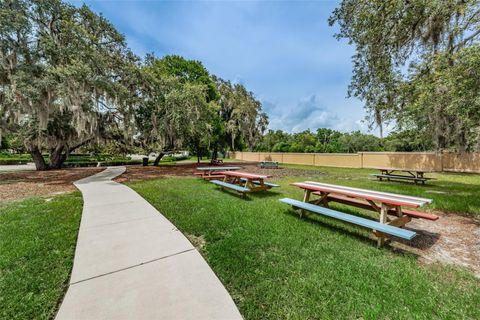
{"x":326,"y":140}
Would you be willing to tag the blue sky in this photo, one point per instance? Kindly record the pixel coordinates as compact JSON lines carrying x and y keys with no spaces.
{"x":283,"y":51}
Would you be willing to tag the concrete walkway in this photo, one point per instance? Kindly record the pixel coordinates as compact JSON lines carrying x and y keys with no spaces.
{"x":18,"y":167}
{"x":132,"y":263}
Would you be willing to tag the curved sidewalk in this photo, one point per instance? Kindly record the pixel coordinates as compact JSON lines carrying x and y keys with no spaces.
{"x":132,"y":263}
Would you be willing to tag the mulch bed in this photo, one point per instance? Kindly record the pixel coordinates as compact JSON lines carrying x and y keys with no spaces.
{"x":137,"y":173}
{"x":18,"y":185}
{"x":453,"y":239}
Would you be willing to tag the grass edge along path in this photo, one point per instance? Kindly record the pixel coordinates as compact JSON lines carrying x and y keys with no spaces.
{"x":277,"y":266}
{"x":37,"y":245}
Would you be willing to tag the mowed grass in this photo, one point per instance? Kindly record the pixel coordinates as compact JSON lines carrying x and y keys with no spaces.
{"x":37,"y":244}
{"x":278,"y":266}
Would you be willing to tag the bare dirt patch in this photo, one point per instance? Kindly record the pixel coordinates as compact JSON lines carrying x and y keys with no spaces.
{"x":453,"y":239}
{"x":280,"y":173}
{"x":137,"y":173}
{"x":18,"y":185}
{"x":197,"y":241}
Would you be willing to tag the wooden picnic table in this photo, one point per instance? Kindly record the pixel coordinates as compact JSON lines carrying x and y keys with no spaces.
{"x":213,"y":172}
{"x":254,"y":182}
{"x":268,"y":164}
{"x":411,"y":174}
{"x":381,"y":202}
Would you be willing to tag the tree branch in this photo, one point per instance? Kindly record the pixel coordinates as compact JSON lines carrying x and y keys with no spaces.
{"x":467,"y":39}
{"x":73,"y":148}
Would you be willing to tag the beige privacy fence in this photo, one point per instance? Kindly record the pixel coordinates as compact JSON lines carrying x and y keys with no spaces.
{"x":426,"y":161}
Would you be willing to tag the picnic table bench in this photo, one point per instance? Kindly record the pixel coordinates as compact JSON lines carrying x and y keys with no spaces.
{"x":209,"y":173}
{"x":383,"y":203}
{"x":243,"y":182}
{"x":412,"y":175}
{"x":268,"y":164}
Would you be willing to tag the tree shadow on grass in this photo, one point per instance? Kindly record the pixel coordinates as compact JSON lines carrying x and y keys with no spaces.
{"x":264,"y":194}
{"x":323,"y":222}
{"x":235,"y":194}
{"x":422,"y":241}
{"x":403,"y":182}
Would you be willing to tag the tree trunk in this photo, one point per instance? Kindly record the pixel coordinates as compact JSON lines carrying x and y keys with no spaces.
{"x":158,"y":158}
{"x":57,"y":158}
{"x":215,"y":153}
{"x":198,"y":154}
{"x":37,"y":157}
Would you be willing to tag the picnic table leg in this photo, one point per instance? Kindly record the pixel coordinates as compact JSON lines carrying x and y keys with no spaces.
{"x":383,"y":219}
{"x":402,"y":219}
{"x":399,"y":211}
{"x":262,"y":185}
{"x":420,"y":175}
{"x":306,"y":198}
{"x":374,"y":206}
{"x":322,"y":200}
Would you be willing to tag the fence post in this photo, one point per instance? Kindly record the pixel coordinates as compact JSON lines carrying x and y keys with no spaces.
{"x":441,"y":161}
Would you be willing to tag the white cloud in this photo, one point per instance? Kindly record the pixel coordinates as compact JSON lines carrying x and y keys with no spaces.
{"x":308,"y":113}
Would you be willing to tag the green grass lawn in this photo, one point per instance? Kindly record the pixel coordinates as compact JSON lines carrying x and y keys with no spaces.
{"x":278,"y":266}
{"x":37,"y":243}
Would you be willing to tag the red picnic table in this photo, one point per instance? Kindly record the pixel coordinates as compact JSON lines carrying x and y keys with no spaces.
{"x":383,"y":203}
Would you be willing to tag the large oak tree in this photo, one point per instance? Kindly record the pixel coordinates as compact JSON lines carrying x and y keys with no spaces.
{"x":66,"y":78}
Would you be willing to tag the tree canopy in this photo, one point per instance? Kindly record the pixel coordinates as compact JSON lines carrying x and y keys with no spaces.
{"x":416,"y":64}
{"x":177,"y":111}
{"x":68,"y":80}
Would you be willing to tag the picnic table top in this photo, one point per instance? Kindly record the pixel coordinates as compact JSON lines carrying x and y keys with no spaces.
{"x":245,"y":175}
{"x":217,"y":168}
{"x":404,"y":170}
{"x":384,"y":197}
